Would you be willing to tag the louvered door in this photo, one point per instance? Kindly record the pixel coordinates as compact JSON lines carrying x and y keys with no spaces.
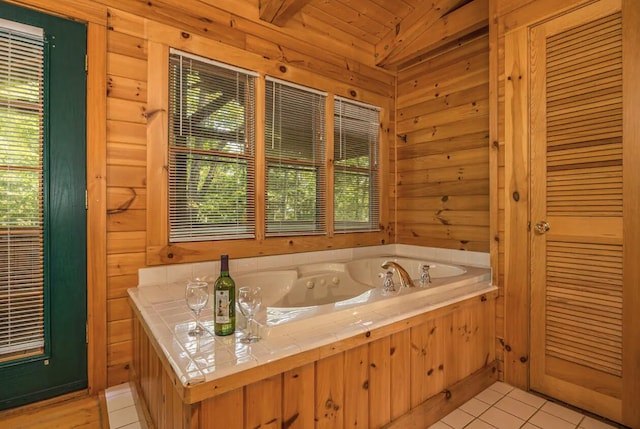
{"x":576,"y":207}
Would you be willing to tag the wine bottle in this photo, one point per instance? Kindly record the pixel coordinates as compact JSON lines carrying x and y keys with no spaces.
{"x":224,"y":310}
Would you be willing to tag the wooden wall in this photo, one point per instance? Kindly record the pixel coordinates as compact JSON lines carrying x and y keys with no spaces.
{"x":339,"y":61}
{"x":129,"y":148}
{"x":442,"y":154}
{"x":126,"y":179}
{"x":443,"y":180}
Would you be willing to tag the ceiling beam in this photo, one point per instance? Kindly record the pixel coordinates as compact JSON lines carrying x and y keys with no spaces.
{"x":278,"y":12}
{"x":411,"y":27}
{"x":459,"y":23}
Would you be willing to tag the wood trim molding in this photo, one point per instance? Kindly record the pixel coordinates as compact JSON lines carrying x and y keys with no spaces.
{"x":97,"y":207}
{"x":631,"y":208}
{"x":516,"y":335}
{"x":494,"y":142}
{"x":279,"y":12}
{"x":75,"y":9}
{"x":413,"y":26}
{"x":445,"y":31}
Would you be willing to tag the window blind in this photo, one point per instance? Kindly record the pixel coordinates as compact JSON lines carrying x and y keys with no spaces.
{"x":356,"y":181}
{"x":211,"y":150}
{"x":294,"y":150}
{"x":21,"y":190}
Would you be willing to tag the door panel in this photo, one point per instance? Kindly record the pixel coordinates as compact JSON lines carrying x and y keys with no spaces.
{"x":576,"y":187}
{"x":60,"y":366}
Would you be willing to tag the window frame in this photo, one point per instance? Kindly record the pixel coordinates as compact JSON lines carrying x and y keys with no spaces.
{"x":212,"y":157}
{"x":318,"y":167}
{"x":158,"y":249}
{"x":372,"y":173}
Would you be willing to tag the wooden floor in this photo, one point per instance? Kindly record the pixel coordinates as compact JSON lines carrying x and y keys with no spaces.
{"x":78,"y":412}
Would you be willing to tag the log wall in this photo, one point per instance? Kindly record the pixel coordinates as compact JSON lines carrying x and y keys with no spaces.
{"x":118,"y":149}
{"x":442,"y":153}
{"x":117,"y":171}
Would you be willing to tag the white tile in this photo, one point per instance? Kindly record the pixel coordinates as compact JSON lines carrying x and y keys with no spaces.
{"x":527,"y":398}
{"x":478,"y":259}
{"x":241,"y":266}
{"x":179,"y":273}
{"x":120,"y":389}
{"x":123,"y":417}
{"x":439,"y":425}
{"x":489,"y":396}
{"x":501,"y":387}
{"x":515,"y":407}
{"x":474,"y":407}
{"x":501,"y":419}
{"x":152,"y":276}
{"x":205,"y":271}
{"x":563,"y":412}
{"x":457,"y":419}
{"x":120,"y":401}
{"x":547,"y":421}
{"x":591,"y":423}
{"x":479,"y":424}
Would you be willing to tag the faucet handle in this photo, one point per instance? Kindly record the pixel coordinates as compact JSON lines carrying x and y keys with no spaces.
{"x":425,"y":275}
{"x":388,"y":287}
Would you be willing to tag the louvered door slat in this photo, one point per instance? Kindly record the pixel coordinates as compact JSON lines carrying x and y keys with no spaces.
{"x":604,"y":337}
{"x":583,"y":299}
{"x":581,"y":34}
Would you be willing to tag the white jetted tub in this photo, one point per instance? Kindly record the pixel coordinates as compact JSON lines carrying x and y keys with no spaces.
{"x":321,"y":289}
{"x":304,"y":307}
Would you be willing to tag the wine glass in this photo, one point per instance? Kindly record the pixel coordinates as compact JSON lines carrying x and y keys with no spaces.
{"x":249,"y":300}
{"x":196,"y":296}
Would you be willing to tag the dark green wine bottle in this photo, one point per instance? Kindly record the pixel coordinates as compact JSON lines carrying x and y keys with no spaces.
{"x":224,"y":306}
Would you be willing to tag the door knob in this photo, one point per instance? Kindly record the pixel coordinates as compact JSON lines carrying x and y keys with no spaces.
{"x":542,"y":227}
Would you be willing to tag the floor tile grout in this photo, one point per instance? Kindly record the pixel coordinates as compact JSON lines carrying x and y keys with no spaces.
{"x":537,"y":410}
{"x":115,"y":392}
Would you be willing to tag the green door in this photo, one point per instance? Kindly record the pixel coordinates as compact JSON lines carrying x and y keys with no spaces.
{"x":43,"y":350}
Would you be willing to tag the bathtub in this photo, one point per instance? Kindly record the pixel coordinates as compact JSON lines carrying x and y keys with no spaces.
{"x":322,"y":289}
{"x":305,"y":307}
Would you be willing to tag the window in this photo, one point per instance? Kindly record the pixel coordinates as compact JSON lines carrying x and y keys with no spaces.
{"x":295,"y":159}
{"x":211,"y":150}
{"x":356,"y":201}
{"x":21,"y":189}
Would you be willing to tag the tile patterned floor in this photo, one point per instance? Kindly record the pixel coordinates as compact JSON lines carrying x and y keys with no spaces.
{"x":124,"y":408}
{"x":501,"y":406}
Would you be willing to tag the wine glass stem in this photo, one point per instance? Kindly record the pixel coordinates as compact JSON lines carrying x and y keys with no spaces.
{"x":197,"y":329}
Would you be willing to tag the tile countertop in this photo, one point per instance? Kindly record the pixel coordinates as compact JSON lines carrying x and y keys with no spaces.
{"x":197,"y":360}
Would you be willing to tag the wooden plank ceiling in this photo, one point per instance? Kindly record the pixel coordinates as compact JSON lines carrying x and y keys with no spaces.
{"x":399,"y":31}
{"x":390,"y":34}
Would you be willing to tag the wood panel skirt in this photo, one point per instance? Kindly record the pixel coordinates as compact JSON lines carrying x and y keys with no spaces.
{"x":406,"y":374}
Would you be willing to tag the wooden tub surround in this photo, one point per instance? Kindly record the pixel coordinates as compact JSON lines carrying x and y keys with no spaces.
{"x":396,"y":367}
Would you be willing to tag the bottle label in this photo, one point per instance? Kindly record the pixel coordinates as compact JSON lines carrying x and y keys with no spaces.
{"x":222,"y":307}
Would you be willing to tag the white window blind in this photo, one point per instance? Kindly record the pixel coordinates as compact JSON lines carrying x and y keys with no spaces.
{"x":21,"y":190}
{"x":356,"y":181}
{"x":294,"y":149}
{"x":211,"y":150}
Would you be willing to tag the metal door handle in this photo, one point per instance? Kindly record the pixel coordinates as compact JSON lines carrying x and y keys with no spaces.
{"x":542,"y":227}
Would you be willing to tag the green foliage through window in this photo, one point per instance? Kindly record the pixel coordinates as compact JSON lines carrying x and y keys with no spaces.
{"x":211,"y":171}
{"x":356,"y":202}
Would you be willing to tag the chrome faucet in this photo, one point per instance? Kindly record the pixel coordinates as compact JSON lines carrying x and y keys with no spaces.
{"x":405,"y":278}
